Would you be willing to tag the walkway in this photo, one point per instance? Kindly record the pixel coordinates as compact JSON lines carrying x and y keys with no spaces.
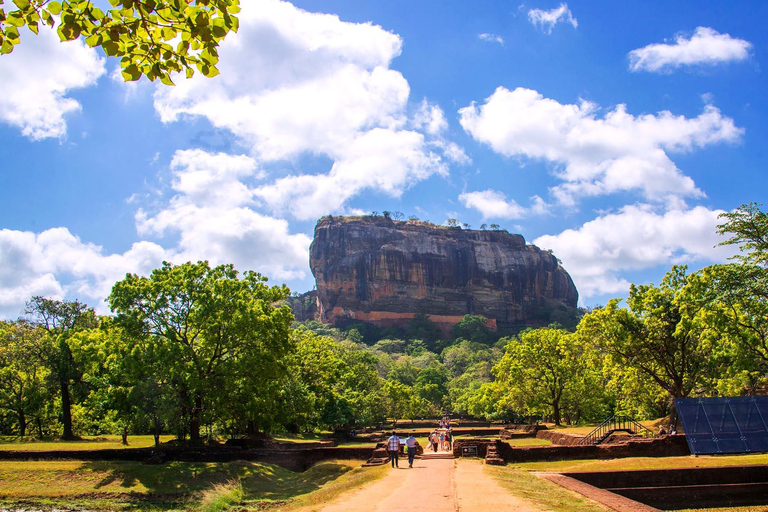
{"x":432,"y":485}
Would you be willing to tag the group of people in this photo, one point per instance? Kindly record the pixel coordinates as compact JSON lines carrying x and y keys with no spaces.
{"x":393,"y":445}
{"x":441,"y":438}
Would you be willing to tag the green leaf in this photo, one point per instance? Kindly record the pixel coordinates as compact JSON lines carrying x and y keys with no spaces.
{"x":131,"y":73}
{"x":210,"y":71}
{"x":22,"y":4}
{"x":53,"y":8}
{"x":165,"y":79}
{"x":7,"y":47}
{"x":110,"y":48}
{"x":16,"y":19}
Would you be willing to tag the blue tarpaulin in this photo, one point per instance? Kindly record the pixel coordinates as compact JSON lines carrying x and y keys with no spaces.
{"x":725,"y":424}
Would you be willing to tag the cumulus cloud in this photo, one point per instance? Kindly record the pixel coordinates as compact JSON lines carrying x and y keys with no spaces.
{"x":383,"y":160}
{"x":55,"y":263}
{"x":635,"y":238}
{"x":491,"y":38}
{"x":293,"y":83}
{"x":212,"y":213}
{"x":38,"y":75}
{"x":597,"y":156}
{"x":546,"y":20}
{"x":705,"y":47}
{"x":492,"y":204}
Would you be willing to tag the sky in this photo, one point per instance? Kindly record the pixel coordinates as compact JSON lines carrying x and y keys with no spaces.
{"x":612,"y":133}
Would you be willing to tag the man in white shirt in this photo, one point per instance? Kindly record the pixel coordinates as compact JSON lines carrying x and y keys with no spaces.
{"x":393,"y":445}
{"x":411,"y":443}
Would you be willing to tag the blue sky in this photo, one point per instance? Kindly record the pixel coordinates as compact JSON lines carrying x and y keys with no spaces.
{"x":613,"y":134}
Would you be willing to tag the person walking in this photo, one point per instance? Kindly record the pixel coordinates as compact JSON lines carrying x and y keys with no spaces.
{"x":393,"y":444}
{"x":411,"y":443}
{"x":449,"y":439}
{"x":433,"y":440}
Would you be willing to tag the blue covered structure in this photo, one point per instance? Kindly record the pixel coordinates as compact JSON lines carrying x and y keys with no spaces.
{"x":725,"y":424}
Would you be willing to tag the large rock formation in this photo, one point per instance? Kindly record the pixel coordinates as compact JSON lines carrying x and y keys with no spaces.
{"x":376,"y":270}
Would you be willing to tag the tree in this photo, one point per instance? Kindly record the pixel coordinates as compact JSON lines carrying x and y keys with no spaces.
{"x":453,"y":223}
{"x":748,"y":227}
{"x":153,"y":38}
{"x":61,"y":320}
{"x":732,"y":300}
{"x":474,"y":328}
{"x":495,"y":227}
{"x":22,"y":374}
{"x":219,"y":337}
{"x":398,"y":399}
{"x":544,"y":370}
{"x":657,"y":334}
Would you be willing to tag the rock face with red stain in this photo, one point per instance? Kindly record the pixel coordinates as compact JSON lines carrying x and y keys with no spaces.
{"x":381,"y":271}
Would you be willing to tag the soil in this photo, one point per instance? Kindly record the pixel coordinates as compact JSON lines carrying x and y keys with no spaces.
{"x":432,"y":485}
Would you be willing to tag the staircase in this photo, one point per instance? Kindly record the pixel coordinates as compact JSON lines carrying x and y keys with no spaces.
{"x":611,"y":426}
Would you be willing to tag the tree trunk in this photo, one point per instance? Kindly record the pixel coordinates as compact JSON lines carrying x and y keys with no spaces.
{"x":39,"y":428}
{"x":124,"y":435}
{"x":194,"y":421}
{"x":556,"y":410}
{"x":66,"y":411}
{"x":22,"y":424}
{"x":156,"y":429}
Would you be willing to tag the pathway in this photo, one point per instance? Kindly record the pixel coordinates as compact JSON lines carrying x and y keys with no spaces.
{"x":432,"y":485}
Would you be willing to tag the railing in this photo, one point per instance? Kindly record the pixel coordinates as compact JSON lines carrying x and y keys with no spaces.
{"x":615,"y":424}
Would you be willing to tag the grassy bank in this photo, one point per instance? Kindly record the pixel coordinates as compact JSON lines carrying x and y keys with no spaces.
{"x":130,"y":485}
{"x":86,"y":443}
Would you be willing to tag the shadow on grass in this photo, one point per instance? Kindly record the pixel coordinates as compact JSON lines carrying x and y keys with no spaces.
{"x":259,"y":480}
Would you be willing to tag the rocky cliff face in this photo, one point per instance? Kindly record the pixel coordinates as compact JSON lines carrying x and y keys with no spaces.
{"x":377,"y":270}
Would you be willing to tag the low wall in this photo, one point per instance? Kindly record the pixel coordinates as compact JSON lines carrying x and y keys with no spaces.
{"x":669,"y":446}
{"x":559,"y":438}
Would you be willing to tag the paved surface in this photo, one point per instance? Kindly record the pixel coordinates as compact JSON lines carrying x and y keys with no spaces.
{"x":432,"y":485}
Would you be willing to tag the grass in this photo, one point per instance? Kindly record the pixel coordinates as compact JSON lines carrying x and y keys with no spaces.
{"x":132,"y":485}
{"x":545,"y":494}
{"x":86,"y":443}
{"x":634,"y":463}
{"x":528,"y":441}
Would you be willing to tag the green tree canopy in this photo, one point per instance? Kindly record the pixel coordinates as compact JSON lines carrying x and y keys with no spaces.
{"x":153,"y":38}
{"x":219,"y":336}
{"x":61,"y":320}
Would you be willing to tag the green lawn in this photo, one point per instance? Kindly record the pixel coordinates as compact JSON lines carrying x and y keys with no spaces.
{"x":177,"y":485}
{"x":86,"y":443}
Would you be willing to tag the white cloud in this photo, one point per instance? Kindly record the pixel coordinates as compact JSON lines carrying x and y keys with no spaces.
{"x":492,"y":204}
{"x":635,"y":238}
{"x":430,"y":118}
{"x":597,"y":156}
{"x":212,"y":212}
{"x":705,"y":47}
{"x":36,"y":78}
{"x":546,"y":20}
{"x":491,"y":38}
{"x":383,"y":160}
{"x":294,"y":83}
{"x":57,"y":264}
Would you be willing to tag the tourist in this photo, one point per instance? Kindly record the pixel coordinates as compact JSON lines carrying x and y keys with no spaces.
{"x":662,"y":432}
{"x":433,"y":440}
{"x":448,"y":439}
{"x":393,"y":444}
{"x":442,"y":440}
{"x":410,"y":445}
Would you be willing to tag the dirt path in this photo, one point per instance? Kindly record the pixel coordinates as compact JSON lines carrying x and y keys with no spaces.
{"x":432,"y":485}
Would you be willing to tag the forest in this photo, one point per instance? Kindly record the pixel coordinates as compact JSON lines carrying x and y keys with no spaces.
{"x":206,"y":352}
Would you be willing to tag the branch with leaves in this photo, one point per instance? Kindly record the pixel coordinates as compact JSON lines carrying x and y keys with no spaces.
{"x":152,"y":38}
